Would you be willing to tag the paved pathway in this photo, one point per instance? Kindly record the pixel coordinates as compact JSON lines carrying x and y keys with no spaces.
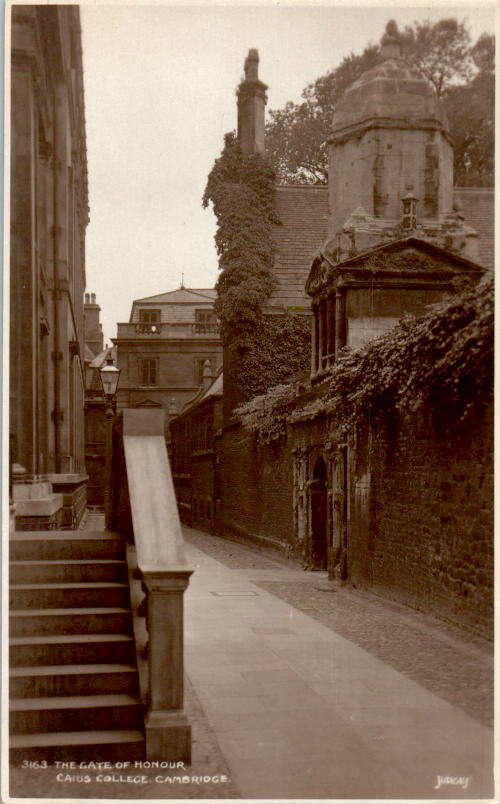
{"x":299,"y":711}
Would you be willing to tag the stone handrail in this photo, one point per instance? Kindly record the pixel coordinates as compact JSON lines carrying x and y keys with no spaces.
{"x":165,"y":575}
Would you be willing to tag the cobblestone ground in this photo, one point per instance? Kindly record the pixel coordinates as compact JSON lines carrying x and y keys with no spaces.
{"x":435,"y":655}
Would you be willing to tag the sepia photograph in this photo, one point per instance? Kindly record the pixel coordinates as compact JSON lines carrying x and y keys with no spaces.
{"x":248,"y":431}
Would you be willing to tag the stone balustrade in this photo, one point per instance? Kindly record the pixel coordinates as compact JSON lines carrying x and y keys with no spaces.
{"x":165,"y":575}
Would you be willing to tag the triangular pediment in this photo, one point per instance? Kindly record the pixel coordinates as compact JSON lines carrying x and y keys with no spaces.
{"x":148,"y":403}
{"x":411,"y":257}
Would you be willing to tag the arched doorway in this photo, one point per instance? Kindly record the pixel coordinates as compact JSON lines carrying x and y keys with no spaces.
{"x":319,"y":515}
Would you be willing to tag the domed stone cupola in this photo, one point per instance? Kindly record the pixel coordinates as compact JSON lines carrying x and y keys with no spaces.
{"x":389,"y":131}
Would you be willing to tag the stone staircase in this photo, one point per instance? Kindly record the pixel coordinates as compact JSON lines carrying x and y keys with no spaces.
{"x":74,"y":687}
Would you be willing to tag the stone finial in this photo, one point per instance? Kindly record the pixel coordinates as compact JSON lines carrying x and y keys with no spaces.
{"x":92,"y":298}
{"x":87,"y":298}
{"x":252,"y":65}
{"x":391,"y":41}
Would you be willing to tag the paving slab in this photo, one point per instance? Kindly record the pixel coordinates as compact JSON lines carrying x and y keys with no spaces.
{"x":300,"y":711}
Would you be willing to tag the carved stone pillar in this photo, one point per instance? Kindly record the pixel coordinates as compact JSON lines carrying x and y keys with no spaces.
{"x":330,"y":331}
{"x":339,"y":322}
{"x":314,"y":342}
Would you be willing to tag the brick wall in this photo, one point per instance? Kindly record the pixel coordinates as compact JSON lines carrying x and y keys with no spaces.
{"x":421,"y":529}
{"x":254,"y":489}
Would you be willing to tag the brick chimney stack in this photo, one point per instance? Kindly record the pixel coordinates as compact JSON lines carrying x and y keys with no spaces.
{"x":252,"y":100}
{"x":92,"y":325}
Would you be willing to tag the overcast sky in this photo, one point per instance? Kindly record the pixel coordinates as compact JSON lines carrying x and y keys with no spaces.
{"x":160,"y":87}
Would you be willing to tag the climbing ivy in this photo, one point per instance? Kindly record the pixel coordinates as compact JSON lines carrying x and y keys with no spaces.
{"x":270,"y":349}
{"x":280,"y":352}
{"x":241,"y":189}
{"x":444,"y":358}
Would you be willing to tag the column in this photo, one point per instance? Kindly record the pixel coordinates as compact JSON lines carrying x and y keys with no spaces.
{"x":314,"y":341}
{"x":339,"y":322}
{"x":330,"y":335}
{"x":320,"y":337}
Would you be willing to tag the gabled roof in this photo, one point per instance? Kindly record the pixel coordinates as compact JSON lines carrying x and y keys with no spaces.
{"x":101,"y":358}
{"x":180,"y":296}
{"x":215,"y":389}
{"x":303,"y":212}
{"x":478,"y":206}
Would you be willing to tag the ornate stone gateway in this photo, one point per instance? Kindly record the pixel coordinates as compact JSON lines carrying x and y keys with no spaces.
{"x":318,"y":494}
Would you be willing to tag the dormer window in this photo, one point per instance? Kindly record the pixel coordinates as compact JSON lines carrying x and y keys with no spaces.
{"x":149,"y":322}
{"x":204,"y":321}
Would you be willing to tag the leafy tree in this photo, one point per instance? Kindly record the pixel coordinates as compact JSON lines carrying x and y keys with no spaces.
{"x":471,"y":116}
{"x":296,"y":136}
{"x":441,"y":51}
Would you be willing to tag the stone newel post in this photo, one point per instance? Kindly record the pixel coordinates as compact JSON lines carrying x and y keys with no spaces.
{"x":168,"y":734}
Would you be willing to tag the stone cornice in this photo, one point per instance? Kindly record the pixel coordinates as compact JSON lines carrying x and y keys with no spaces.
{"x":342,"y":135}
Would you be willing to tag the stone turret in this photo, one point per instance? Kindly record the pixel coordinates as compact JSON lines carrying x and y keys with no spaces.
{"x":390,"y":141}
{"x":252,"y":100}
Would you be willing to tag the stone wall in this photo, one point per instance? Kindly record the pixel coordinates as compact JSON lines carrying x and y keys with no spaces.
{"x":421,"y":529}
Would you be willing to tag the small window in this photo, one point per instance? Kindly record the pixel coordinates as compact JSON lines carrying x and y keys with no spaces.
{"x":149,"y":322}
{"x":205,"y":321}
{"x":149,"y":316}
{"x":148,"y":371}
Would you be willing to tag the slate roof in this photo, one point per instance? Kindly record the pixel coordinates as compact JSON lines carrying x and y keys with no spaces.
{"x":215,"y":389}
{"x":180,"y":296}
{"x":176,"y":306}
{"x":303,"y":212}
{"x":101,"y":358}
{"x":478,"y":204}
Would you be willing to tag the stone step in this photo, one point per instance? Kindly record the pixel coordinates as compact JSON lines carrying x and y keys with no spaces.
{"x":96,"y":620}
{"x":60,"y":545}
{"x":72,"y":571}
{"x":78,"y":746}
{"x":84,"y":712}
{"x":69,"y":595}
{"x":71,"y":649}
{"x":72,"y":679}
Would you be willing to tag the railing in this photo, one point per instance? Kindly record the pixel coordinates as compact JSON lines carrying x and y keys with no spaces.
{"x":168,"y":330}
{"x":165,"y":575}
{"x":205,"y":328}
{"x":146,"y":328}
